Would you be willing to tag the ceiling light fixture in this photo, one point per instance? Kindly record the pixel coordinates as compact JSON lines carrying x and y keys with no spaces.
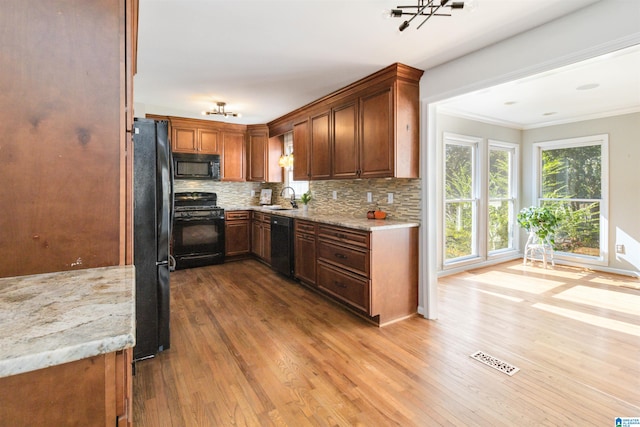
{"x":426,"y":8}
{"x":220,"y":111}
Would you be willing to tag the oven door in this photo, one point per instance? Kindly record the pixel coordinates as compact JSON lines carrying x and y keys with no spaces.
{"x":198,"y":242}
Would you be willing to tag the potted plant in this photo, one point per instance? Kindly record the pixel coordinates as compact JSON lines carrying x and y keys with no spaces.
{"x":305,"y":199}
{"x":539,"y":221}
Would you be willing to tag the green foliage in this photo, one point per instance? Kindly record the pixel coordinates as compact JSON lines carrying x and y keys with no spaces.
{"x":306,"y":197}
{"x":539,"y":219}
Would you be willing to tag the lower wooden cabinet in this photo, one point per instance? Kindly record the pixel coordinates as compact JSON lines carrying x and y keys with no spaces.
{"x":96,"y":391}
{"x":374,"y":272}
{"x":261,"y":236}
{"x":304,"y":247}
{"x":237,"y":239}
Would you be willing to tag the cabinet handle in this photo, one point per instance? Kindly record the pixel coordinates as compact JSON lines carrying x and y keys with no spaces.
{"x":339,"y":285}
{"x":340,"y":236}
{"x":341,"y":256}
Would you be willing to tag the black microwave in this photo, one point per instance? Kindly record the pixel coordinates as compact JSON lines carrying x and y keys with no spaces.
{"x":196,"y":166}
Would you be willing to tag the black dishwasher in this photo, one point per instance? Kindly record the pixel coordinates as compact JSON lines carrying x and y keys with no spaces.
{"x":282,"y":244}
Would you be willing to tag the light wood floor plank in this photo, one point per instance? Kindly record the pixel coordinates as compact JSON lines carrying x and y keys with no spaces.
{"x":251,"y":348}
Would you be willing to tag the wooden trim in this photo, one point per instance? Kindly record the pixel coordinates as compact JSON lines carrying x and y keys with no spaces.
{"x":285,"y":123}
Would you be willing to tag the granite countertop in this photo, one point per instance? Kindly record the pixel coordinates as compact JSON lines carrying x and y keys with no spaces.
{"x":343,"y":221}
{"x":54,"y":318}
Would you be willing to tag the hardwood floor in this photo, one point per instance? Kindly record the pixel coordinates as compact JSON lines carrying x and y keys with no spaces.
{"x":252,"y":348}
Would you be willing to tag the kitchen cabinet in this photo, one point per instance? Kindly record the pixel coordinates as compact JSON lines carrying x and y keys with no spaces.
{"x":320,"y":146}
{"x":345,"y":152}
{"x":187,"y":138}
{"x":301,"y":151}
{"x":261,"y":236}
{"x":95,"y":391}
{"x":70,"y":160}
{"x":237,"y":239}
{"x":304,"y":247}
{"x":369,"y":129}
{"x":233,"y":156}
{"x":263,"y":155}
{"x":375,"y":272}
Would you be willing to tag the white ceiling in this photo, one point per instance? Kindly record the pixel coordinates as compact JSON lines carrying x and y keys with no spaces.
{"x":267,"y":58}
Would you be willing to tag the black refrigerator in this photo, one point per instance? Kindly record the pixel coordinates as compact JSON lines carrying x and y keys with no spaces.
{"x":152,"y":212}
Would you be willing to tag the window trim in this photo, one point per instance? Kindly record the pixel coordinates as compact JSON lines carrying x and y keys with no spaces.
{"x":476,"y":144}
{"x":584,"y":141}
{"x":514,"y":173}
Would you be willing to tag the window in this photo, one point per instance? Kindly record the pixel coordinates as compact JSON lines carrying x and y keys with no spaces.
{"x":460,"y":197}
{"x":502,"y":196}
{"x":299,"y":187}
{"x":572,"y":179}
{"x":480,"y":193}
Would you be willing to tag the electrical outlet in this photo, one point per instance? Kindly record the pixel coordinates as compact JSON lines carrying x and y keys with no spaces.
{"x":253,"y":193}
{"x":620,"y":249}
{"x":335,"y":195}
{"x":369,"y":197}
{"x":390,"y":198}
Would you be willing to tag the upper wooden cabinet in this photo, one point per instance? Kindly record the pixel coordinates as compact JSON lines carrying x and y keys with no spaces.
{"x":190,"y":138}
{"x":233,"y":156}
{"x":263,"y":154}
{"x":368,"y":129}
{"x":301,"y":139}
{"x":320,"y":146}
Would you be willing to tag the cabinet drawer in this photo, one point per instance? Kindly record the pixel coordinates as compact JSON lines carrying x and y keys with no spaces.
{"x":261,"y":217}
{"x":353,"y":259}
{"x":239,"y":215}
{"x":349,"y":288}
{"x":305,"y":227}
{"x":344,"y":235}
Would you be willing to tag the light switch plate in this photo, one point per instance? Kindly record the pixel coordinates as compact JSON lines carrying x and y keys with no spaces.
{"x":390,"y":198}
{"x":335,"y":195}
{"x":369,"y":197}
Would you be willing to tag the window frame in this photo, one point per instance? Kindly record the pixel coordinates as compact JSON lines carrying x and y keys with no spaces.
{"x":585,"y":141}
{"x":514,"y":151}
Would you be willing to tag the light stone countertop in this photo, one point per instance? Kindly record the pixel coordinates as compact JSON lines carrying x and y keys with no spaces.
{"x":343,"y":221}
{"x":54,"y":318}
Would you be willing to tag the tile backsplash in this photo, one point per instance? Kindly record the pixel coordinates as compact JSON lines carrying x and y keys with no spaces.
{"x":351,"y":195}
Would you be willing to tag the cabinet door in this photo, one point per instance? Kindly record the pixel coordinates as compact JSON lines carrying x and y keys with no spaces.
{"x":301,"y":151}
{"x":208,"y":141}
{"x":305,"y":257}
{"x":236,"y":239}
{"x":256,"y":238}
{"x":320,"y":164}
{"x":184,"y":140}
{"x":274,"y":151}
{"x":232,"y":156}
{"x":266,"y":242}
{"x":345,"y":142}
{"x":377,"y":134}
{"x":257,"y":149}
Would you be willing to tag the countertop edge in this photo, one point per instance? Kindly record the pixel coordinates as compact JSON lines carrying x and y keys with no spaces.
{"x":342,"y":221}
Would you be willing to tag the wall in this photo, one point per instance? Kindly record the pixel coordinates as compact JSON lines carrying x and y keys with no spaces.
{"x":603,"y":27}
{"x":624,"y":179}
{"x":351,"y":196}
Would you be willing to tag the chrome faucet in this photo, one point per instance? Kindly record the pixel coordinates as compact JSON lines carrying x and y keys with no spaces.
{"x":294,"y":205}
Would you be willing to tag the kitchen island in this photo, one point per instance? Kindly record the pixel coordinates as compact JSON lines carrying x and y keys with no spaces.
{"x":65,"y":347}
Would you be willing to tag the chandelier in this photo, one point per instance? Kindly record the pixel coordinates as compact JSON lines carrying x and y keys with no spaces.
{"x":220,"y":111}
{"x":426,"y":8}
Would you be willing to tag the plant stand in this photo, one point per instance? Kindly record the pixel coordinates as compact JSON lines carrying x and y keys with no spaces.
{"x":535,"y":249}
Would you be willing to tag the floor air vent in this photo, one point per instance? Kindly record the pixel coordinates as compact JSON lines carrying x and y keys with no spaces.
{"x":495,"y":363}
